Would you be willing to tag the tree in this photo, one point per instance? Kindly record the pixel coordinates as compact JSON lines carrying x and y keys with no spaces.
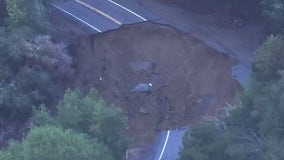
{"x":274,"y":11}
{"x":254,"y":129}
{"x":76,"y":111}
{"x":22,"y":85}
{"x":49,"y":142}
{"x":195,"y":140}
{"x":31,"y":13}
{"x":31,"y":69}
{"x":270,"y":58}
{"x":3,"y":12}
{"x":109,"y":127}
{"x":89,"y":114}
{"x":13,"y":152}
{"x":41,"y":117}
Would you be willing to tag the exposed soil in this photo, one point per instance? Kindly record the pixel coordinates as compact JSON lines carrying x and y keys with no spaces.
{"x":237,"y":31}
{"x":189,"y":79}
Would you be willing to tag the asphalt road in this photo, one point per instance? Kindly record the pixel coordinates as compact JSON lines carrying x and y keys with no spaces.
{"x":166,"y":146}
{"x":86,"y":17}
{"x":124,"y":12}
{"x":104,"y":15}
{"x":116,"y":12}
{"x":100,"y":15}
{"x":169,"y":144}
{"x":241,"y":73}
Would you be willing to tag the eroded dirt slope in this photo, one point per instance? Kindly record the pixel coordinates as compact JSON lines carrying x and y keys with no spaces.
{"x":189,"y":79}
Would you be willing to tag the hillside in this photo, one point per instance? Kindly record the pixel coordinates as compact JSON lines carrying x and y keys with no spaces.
{"x":189,"y":79}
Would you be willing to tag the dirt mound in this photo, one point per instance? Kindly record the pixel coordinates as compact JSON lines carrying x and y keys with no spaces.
{"x":188,"y":78}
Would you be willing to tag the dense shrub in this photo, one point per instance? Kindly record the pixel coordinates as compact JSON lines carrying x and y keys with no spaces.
{"x":26,"y":81}
{"x":274,"y":11}
{"x":254,"y":129}
{"x":31,"y":13}
{"x":47,"y":142}
{"x":89,"y":114}
{"x":270,"y":58}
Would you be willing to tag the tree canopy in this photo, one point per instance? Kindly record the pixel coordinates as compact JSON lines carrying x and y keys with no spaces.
{"x":56,"y":143}
{"x":90,"y":115}
{"x":254,"y":130}
{"x":30,"y":13}
{"x":274,"y":11}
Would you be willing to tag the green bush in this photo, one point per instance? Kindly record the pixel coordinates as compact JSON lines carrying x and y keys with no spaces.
{"x":76,"y":111}
{"x":55,"y":143}
{"x":13,"y":152}
{"x":31,"y":13}
{"x":270,"y":58}
{"x":41,"y":117}
{"x":28,"y":75}
{"x":19,"y":95}
{"x":254,"y":130}
{"x":274,"y":11}
{"x":3,"y":12}
{"x":108,"y":125}
{"x":89,"y":114}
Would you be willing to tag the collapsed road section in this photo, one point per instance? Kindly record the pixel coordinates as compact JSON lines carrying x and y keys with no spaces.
{"x":188,"y":79}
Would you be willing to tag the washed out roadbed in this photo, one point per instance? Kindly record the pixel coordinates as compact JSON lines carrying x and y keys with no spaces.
{"x":189,"y":78}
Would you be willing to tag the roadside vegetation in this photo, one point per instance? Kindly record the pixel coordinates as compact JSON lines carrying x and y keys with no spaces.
{"x":83,"y":128}
{"x":34,"y":74}
{"x":252,"y":129}
{"x":39,"y":121}
{"x":274,"y":12}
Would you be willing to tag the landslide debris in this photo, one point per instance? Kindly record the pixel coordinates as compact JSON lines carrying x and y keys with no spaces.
{"x":188,"y":79}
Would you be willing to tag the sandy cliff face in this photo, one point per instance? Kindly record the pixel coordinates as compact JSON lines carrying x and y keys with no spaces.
{"x":188,"y":78}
